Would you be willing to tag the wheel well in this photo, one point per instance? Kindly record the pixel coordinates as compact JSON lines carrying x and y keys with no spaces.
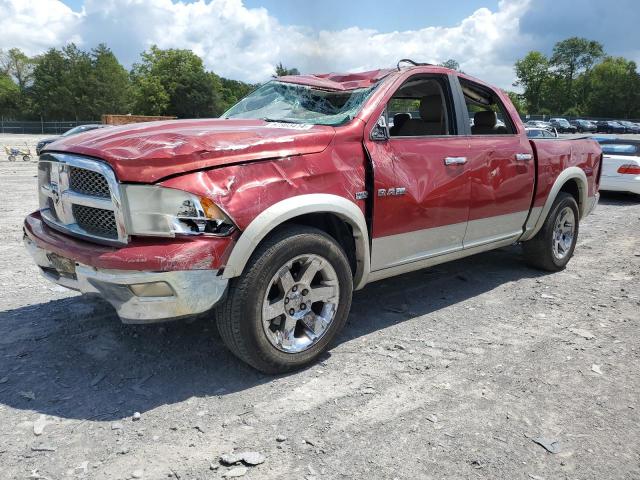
{"x":335,"y":227}
{"x":571,"y":187}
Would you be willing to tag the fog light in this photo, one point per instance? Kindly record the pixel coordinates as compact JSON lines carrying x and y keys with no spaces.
{"x":153,"y":289}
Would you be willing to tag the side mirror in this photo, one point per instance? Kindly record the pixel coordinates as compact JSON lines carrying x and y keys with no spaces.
{"x":380,"y":132}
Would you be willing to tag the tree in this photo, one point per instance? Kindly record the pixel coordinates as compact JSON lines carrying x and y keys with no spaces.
{"x":9,"y":95}
{"x":50,"y":91}
{"x":615,"y":89}
{"x":531,"y":73}
{"x":282,"y":71}
{"x":18,"y":66}
{"x":451,"y":63}
{"x":110,"y":83}
{"x":176,"y":79}
{"x":519,"y":102}
{"x":573,"y":56}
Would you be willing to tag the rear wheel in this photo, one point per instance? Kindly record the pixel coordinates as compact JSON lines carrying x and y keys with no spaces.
{"x":290,"y":302}
{"x":553,"y":246}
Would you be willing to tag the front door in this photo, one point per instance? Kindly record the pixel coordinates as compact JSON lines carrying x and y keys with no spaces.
{"x":421,"y":186}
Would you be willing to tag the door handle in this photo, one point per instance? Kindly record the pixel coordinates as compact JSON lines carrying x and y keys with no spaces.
{"x":523,"y":157}
{"x":455,"y":160}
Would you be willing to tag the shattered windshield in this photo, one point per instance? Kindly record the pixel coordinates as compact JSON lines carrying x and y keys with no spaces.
{"x":288,"y":102}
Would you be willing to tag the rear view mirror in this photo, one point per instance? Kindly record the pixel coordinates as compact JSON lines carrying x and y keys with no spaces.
{"x":380,"y":132}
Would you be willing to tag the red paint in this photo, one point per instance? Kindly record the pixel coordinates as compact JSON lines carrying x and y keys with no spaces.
{"x":148,"y":152}
{"x":339,"y":81}
{"x":245,"y":166}
{"x":500,"y":184}
{"x":150,"y":254}
{"x":245,"y":190}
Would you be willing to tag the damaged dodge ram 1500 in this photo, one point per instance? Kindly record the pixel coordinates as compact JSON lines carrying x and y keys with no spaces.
{"x":307,"y":189}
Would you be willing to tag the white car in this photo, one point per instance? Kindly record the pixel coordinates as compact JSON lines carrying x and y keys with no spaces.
{"x":621,"y":166}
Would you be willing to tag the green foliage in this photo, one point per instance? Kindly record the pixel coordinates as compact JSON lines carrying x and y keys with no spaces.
{"x":518,"y":102}
{"x":615,"y":88}
{"x":532,"y":71}
{"x":451,"y":63}
{"x":579,"y":80}
{"x":282,"y":71}
{"x":177,"y":81}
{"x":18,"y":66}
{"x":110,"y":84}
{"x":68,"y":83}
{"x":9,"y":95}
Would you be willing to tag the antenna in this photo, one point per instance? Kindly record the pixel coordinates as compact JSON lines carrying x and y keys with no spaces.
{"x":412,"y":62}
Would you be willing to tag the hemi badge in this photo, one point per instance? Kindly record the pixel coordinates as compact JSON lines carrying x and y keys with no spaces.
{"x":361,"y":195}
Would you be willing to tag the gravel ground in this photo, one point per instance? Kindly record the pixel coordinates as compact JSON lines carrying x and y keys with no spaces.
{"x":451,"y":372}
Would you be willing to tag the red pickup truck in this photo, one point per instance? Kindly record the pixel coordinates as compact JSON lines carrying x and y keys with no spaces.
{"x":307,"y":189}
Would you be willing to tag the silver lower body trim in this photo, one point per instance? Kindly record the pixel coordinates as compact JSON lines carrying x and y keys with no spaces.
{"x":406,"y":248}
{"x":438,"y":259}
{"x":193,"y":291}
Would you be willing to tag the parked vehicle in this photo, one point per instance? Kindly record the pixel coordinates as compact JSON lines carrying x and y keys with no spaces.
{"x":629,"y":127}
{"x":609,"y":126}
{"x":584,"y":126}
{"x":562,"y":125}
{"x":73,"y":131}
{"x":620,"y":165}
{"x":540,"y":133}
{"x":539,"y":124}
{"x":14,"y":152}
{"x":300,"y":194}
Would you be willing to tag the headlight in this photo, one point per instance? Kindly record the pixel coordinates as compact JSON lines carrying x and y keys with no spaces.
{"x":167,"y":212}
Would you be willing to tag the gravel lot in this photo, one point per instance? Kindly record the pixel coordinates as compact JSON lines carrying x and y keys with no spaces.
{"x":452,"y":372}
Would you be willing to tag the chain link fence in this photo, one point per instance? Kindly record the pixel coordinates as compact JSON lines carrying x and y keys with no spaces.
{"x":40,"y":127}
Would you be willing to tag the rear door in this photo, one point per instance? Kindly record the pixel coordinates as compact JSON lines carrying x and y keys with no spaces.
{"x":501,"y":169}
{"x":421,"y":211}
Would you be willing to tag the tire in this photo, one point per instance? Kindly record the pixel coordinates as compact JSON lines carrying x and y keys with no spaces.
{"x":26,"y":158}
{"x":551,"y":248}
{"x":263,"y":344}
{"x":12,"y":158}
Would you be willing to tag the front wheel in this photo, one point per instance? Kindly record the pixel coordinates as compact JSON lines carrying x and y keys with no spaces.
{"x":553,"y":246}
{"x":290,"y":302}
{"x":12,"y":158}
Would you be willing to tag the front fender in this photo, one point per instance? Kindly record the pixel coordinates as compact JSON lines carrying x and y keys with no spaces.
{"x":292,"y":207}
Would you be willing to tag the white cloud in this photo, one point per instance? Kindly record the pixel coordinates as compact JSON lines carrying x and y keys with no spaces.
{"x":243,"y":43}
{"x":36,"y":25}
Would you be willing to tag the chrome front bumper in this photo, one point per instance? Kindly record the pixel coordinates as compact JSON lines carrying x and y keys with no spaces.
{"x":187,"y":292}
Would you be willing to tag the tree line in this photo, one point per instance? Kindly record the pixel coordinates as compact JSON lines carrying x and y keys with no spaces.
{"x":578,"y":79}
{"x":73,"y":84}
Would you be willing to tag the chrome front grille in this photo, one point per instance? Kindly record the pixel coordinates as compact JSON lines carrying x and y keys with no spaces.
{"x":88,"y":182}
{"x":81,"y":197}
{"x":96,"y":221}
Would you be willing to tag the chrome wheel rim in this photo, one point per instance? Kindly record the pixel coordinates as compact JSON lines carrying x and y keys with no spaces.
{"x":300,"y":303}
{"x":563,"y":233}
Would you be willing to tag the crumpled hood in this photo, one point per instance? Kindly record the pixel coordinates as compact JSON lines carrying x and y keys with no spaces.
{"x":148,"y":152}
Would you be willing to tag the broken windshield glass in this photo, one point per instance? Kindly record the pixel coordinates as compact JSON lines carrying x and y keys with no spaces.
{"x":288,"y":102}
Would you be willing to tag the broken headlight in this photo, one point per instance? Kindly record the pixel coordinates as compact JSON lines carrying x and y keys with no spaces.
{"x":167,"y":212}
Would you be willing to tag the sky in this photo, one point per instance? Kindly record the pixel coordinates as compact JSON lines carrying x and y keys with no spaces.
{"x":244,"y":39}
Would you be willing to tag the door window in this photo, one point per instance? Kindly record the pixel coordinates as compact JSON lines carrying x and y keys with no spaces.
{"x":421,"y":107}
{"x":487,"y":115}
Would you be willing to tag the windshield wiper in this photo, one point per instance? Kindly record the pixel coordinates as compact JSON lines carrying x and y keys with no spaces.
{"x":278,"y":120}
